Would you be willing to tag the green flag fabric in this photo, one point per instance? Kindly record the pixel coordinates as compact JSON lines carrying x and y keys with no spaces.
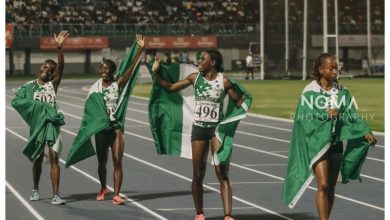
{"x":95,"y":118}
{"x":171,"y":116}
{"x":312,"y":135}
{"x":43,"y":119}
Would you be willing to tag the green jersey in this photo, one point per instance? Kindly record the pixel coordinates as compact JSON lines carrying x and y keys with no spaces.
{"x":209,"y":97}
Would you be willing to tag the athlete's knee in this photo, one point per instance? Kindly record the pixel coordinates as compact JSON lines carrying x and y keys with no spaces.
{"x":53,"y":158}
{"x":323,"y":187}
{"x":222,"y":176}
{"x":117,"y":160}
{"x":198,"y":176}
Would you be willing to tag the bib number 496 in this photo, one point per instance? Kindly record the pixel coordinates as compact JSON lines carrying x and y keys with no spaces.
{"x":207,"y":113}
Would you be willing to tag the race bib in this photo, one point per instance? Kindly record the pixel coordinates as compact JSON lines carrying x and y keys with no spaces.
{"x":45,"y":96}
{"x":111,"y":109}
{"x":206,"y":111}
{"x":111,"y":100}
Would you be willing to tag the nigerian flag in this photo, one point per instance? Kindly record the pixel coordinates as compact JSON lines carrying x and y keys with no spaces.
{"x":171,"y":115}
{"x":95,"y":118}
{"x":43,"y":119}
{"x":312,"y":135}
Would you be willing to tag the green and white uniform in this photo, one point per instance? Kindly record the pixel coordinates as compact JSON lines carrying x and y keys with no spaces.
{"x":36,"y":104}
{"x":44,"y":93}
{"x":209,"y":97}
{"x":110,"y":96}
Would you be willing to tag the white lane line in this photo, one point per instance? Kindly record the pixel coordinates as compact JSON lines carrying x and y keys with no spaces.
{"x":265,"y":164}
{"x":374,"y":178}
{"x":371,"y":158}
{"x":266,"y":117}
{"x":262,"y":136}
{"x":84,"y":99}
{"x":275,"y":177}
{"x":77,"y":117}
{"x":173,"y":173}
{"x":272,"y":118}
{"x":208,"y":187}
{"x":62,"y":89}
{"x":77,"y":106}
{"x":140,"y":97}
{"x":238,"y":145}
{"x":19,"y":127}
{"x":188,"y":179}
{"x":278,"y":139}
{"x":309,"y":187}
{"x":23,"y":201}
{"x":249,"y":169}
{"x":191,"y":209}
{"x":265,"y":126}
{"x":291,"y":121}
{"x":258,"y":150}
{"x":282,"y":156}
{"x":241,"y":132}
{"x":243,"y":122}
{"x":248,"y":123}
{"x":243,"y":183}
{"x":138,"y":121}
{"x":139,"y":205}
{"x":236,"y":165}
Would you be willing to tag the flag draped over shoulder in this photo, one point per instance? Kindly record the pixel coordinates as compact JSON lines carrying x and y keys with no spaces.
{"x":171,"y":115}
{"x":95,"y":118}
{"x":227,"y":127}
{"x":44,"y":121}
{"x":312,"y":135}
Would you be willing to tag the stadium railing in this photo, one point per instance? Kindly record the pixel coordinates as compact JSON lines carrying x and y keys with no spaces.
{"x":37,"y":30}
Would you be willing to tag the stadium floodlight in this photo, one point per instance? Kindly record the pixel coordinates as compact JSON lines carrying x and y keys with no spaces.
{"x":369,"y":55}
{"x":286,"y":36}
{"x":304,"y":51}
{"x":326,"y":34}
{"x":262,"y":39}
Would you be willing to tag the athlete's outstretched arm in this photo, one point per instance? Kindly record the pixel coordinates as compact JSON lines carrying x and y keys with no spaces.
{"x":60,"y":54}
{"x":123,"y":79}
{"x":172,"y":87}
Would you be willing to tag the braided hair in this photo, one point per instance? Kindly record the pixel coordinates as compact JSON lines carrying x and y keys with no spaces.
{"x":318,"y":62}
{"x":111,"y":65}
{"x":217,"y":57}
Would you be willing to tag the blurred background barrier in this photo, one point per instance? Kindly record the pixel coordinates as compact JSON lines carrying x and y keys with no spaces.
{"x":231,"y":25}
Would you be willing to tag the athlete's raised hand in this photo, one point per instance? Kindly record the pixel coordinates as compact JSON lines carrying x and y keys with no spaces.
{"x":60,"y":38}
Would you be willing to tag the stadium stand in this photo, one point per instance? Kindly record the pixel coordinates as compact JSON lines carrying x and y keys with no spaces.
{"x":235,"y":23}
{"x":221,"y":17}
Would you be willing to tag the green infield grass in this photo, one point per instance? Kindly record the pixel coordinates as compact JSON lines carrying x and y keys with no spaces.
{"x":279,"y":98}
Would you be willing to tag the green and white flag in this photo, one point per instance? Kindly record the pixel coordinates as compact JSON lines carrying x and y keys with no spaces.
{"x":43,"y":119}
{"x":171,"y":116}
{"x":312,"y":135}
{"x":95,"y":118}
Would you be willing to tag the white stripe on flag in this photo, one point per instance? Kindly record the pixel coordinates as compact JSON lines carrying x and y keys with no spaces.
{"x":188,"y":110}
